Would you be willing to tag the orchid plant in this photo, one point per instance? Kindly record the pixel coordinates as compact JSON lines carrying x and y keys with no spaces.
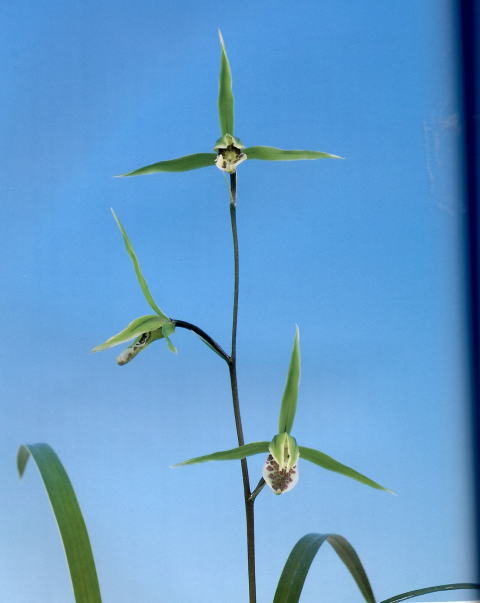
{"x":230,"y":151}
{"x":280,"y":470}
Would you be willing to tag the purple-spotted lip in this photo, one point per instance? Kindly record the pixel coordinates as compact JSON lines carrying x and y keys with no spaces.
{"x":279,"y":480}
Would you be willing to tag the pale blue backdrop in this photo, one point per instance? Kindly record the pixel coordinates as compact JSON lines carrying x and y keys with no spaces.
{"x":365,"y":255}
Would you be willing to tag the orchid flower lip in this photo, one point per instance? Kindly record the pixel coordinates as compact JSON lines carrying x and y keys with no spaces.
{"x":229,"y":153}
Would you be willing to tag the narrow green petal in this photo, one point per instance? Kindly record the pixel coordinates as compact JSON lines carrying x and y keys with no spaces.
{"x":290,"y":395}
{"x":230,"y":455}
{"x":69,"y":519}
{"x":137,"y":327}
{"x":300,"y":559}
{"x":274,"y":154}
{"x":327,"y":462}
{"x":141,"y":280}
{"x":170,"y":345}
{"x":431,"y":589}
{"x":225,"y":94}
{"x":181,"y":164}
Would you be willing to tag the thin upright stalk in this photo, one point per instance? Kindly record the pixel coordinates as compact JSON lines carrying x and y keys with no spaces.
{"x":232,"y":365}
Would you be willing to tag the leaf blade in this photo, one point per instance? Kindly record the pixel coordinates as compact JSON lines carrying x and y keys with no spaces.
{"x":274,"y":154}
{"x":233,"y":454}
{"x":225,"y":94}
{"x":298,"y":564}
{"x":329,"y":463}
{"x":143,"y":324}
{"x":431,"y":589}
{"x":69,"y":519}
{"x":136,"y":265}
{"x":180,"y":164}
{"x":290,"y":394}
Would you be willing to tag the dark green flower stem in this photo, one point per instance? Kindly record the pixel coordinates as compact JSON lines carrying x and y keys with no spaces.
{"x":258,"y":489}
{"x":183,"y":324}
{"x":232,"y":365}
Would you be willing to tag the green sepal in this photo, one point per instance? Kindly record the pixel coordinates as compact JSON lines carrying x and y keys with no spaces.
{"x":274,"y":154}
{"x":167,"y":329}
{"x":327,"y":462}
{"x":290,"y":395}
{"x":181,"y":164}
{"x":228,"y":140}
{"x":225,"y":94}
{"x":296,"y":568}
{"x":136,"y":264}
{"x":230,"y":455}
{"x":284,"y":450}
{"x":143,"y":324}
{"x":69,"y":519}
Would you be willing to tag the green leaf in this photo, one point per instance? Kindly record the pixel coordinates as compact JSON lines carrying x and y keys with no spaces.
{"x":138,"y":271}
{"x":69,"y":519}
{"x":300,"y":559}
{"x":290,"y":395}
{"x":225,"y":95}
{"x":181,"y":164}
{"x":327,"y":462}
{"x":141,"y":325}
{"x":230,"y":455}
{"x":274,"y":154}
{"x":431,"y":589}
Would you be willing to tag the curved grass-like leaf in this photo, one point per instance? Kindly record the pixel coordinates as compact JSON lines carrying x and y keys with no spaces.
{"x":274,"y":154}
{"x":225,"y":94}
{"x":230,"y":455}
{"x":181,"y":164}
{"x":431,"y":589}
{"x":290,"y":395}
{"x":327,"y":462}
{"x":136,"y":264}
{"x":69,"y":519}
{"x":300,"y":559}
{"x":144,"y":324}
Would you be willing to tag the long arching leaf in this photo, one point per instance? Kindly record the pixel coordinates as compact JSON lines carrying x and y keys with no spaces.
{"x":300,"y":559}
{"x":230,"y":455}
{"x":181,"y":164}
{"x":69,"y":519}
{"x":431,"y":589}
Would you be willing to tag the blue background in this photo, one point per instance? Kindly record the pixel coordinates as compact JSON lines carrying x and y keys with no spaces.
{"x":365,"y":255}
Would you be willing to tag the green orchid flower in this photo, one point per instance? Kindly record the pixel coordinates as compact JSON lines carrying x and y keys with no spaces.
{"x":280,"y":470}
{"x":146,"y":329}
{"x":230,"y":152}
